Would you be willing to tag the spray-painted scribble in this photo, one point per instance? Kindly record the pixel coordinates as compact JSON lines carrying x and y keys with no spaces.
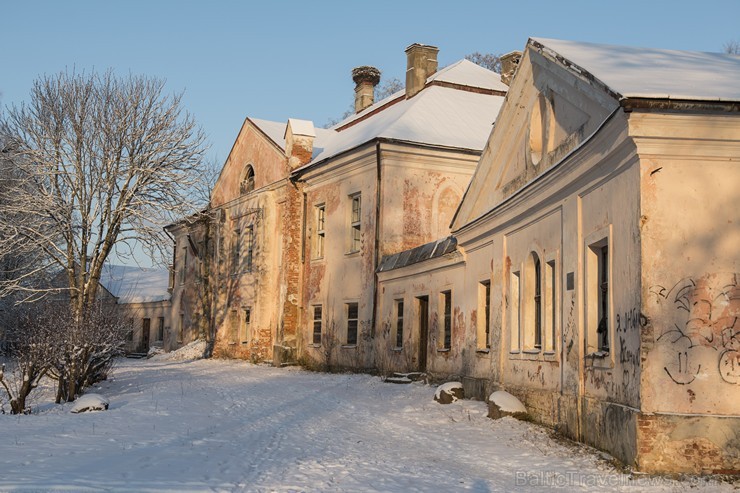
{"x":707,"y":317}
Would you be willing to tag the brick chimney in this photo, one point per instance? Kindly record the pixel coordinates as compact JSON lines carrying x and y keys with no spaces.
{"x":299,"y":136}
{"x":421,"y":62}
{"x":366,"y":78}
{"x":509,"y":63}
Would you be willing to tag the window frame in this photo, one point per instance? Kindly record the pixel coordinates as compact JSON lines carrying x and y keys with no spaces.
{"x":355,"y":223}
{"x":515,"y":326}
{"x":320,"y":242}
{"x":483,"y":332}
{"x":160,"y":329}
{"x":249,"y":260}
{"x":599,"y":304}
{"x":233,"y":326}
{"x":236,"y":249}
{"x":247,"y":183}
{"x":551,"y":306}
{"x":445,"y":299}
{"x":537,"y":302}
{"x":352,"y":323}
{"x":184,"y":264}
{"x":247,"y":325}
{"x":317,"y":323}
{"x":399,"y":323}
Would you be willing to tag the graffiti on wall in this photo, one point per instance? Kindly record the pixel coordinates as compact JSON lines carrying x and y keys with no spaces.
{"x":704,"y":333}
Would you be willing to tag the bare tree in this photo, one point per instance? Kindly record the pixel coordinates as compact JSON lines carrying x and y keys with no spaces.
{"x":388,"y":88}
{"x":98,"y":161}
{"x":31,"y":339}
{"x":85,"y":353}
{"x":732,"y":47}
{"x":487,"y":60}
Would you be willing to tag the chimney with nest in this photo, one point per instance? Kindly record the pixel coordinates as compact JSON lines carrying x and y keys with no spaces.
{"x":366,"y":78}
{"x":421,"y":62}
{"x":509,"y":63}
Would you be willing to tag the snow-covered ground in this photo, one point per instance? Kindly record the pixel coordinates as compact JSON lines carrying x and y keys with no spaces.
{"x":213,"y":425}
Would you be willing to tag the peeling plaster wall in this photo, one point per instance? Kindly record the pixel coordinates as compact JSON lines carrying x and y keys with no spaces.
{"x":427,"y":279}
{"x":250,"y":147}
{"x":234,"y":286}
{"x":340,"y":276}
{"x":237,"y":287}
{"x":421,"y":191}
{"x":690,"y":288}
{"x":590,"y":197}
{"x":186,"y":307}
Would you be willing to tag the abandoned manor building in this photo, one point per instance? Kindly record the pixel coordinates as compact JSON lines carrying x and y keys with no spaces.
{"x":567,"y":231}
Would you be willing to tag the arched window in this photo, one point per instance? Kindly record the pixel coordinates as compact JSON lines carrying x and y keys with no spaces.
{"x":247,"y":184}
{"x":532,"y":302}
{"x":537,"y":302}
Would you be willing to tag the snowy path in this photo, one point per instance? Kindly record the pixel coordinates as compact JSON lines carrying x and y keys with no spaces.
{"x":231,"y":426}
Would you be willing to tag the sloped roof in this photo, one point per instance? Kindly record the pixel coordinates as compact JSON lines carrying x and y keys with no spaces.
{"x":131,"y":284}
{"x":467,"y":73}
{"x":275,"y":131}
{"x":653,"y":73}
{"x":418,"y":254}
{"x":438,"y":115}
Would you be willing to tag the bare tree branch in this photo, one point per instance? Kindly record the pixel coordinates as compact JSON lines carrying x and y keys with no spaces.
{"x":92,"y":156}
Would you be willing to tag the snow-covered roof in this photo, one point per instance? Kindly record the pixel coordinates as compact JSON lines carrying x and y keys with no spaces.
{"x":131,"y":284}
{"x":653,"y":73}
{"x":276,"y":131}
{"x":467,"y":73}
{"x":438,"y":115}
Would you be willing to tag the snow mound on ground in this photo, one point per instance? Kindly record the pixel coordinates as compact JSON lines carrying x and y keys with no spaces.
{"x":192,"y":351}
{"x":507,"y":402}
{"x":90,"y":402}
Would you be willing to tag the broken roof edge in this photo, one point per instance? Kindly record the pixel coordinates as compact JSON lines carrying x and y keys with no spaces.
{"x":539,"y":45}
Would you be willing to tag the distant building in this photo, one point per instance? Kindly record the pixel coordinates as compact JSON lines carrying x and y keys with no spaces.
{"x":144,"y":302}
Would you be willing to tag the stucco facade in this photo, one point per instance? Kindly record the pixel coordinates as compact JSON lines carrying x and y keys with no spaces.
{"x":236,"y":263}
{"x":604,"y":228}
{"x":581,"y":255}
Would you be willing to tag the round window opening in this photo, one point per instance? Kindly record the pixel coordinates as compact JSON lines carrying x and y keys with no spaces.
{"x":535,"y":133}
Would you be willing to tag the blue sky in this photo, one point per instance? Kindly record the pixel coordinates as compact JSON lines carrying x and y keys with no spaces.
{"x":276,"y":60}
